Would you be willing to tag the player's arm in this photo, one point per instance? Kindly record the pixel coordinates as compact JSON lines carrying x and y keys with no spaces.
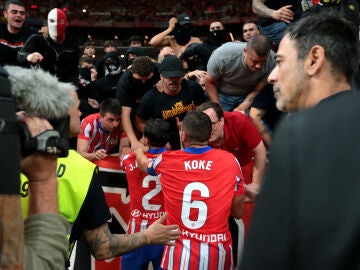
{"x":259,"y":167}
{"x":128,"y":128}
{"x":256,"y":116}
{"x":141,"y":159}
{"x":82,"y":146}
{"x":237,"y":206}
{"x":105,"y":245}
{"x":211,"y":89}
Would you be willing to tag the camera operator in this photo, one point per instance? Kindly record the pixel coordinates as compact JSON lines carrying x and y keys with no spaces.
{"x":45,"y":229}
{"x":40,"y":241}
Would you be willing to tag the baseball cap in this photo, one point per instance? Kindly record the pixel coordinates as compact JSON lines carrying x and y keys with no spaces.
{"x":137,"y":50}
{"x":183,"y":18}
{"x":171,"y":67}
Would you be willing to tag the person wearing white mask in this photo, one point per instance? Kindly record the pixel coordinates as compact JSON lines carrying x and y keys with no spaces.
{"x":58,"y":53}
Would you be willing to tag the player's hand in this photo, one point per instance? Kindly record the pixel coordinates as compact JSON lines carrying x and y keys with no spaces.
{"x":100,"y":154}
{"x":160,"y":234}
{"x":251,"y":192}
{"x":284,"y":14}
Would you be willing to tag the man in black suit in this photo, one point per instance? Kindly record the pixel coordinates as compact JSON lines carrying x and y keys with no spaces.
{"x":307,"y":215}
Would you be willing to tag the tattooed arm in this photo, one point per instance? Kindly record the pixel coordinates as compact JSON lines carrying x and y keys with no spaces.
{"x":282,"y":14}
{"x":260,"y":9}
{"x":105,"y":245}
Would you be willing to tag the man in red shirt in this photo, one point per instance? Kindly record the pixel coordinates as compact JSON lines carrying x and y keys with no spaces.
{"x":235,"y":133}
{"x":101,"y":132}
{"x":202,"y":187}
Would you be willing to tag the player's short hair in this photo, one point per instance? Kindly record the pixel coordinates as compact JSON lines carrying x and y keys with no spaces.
{"x":158,"y":132}
{"x":110,"y":105}
{"x":197,"y":127}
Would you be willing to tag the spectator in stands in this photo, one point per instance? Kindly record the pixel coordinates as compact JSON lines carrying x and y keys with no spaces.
{"x":86,"y":87}
{"x":133,"y":84}
{"x":177,"y":97}
{"x":58,"y":53}
{"x":249,"y":29}
{"x":130,"y":55}
{"x":274,"y":16}
{"x":156,"y":136}
{"x":13,"y":33}
{"x":101,"y":132}
{"x":89,"y":49}
{"x":237,"y":72}
{"x":235,"y":133}
{"x":109,"y":46}
{"x":178,"y":35}
{"x":105,"y":87}
{"x":197,"y":55}
{"x":135,"y":41}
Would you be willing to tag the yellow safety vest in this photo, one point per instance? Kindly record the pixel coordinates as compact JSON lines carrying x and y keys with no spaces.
{"x":74,"y":174}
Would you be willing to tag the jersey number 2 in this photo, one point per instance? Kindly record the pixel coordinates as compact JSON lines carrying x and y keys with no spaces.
{"x":151,"y":194}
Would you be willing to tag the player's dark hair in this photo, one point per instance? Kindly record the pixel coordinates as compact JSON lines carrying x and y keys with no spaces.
{"x":158,"y":132}
{"x":197,"y":127}
{"x":110,"y":105}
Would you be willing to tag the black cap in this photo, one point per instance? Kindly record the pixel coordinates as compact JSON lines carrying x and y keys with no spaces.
{"x":138,"y":51}
{"x":171,"y":67}
{"x":183,"y":18}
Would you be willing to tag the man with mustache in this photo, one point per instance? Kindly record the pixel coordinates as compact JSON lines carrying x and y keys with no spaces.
{"x":176,"y":97}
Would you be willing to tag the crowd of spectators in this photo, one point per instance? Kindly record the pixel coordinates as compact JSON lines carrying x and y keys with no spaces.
{"x":136,"y":13}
